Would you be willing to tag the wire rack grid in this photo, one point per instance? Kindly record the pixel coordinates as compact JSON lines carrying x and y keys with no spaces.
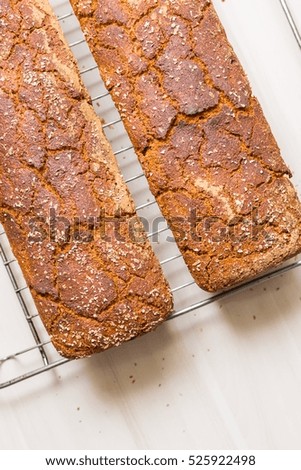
{"x":40,"y":356}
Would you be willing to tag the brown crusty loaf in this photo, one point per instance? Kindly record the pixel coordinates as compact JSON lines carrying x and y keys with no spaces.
{"x":65,"y":208}
{"x":205,"y":146}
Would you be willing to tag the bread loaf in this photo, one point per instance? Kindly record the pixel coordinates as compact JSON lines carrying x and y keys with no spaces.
{"x":63,"y":203}
{"x":201,"y":136}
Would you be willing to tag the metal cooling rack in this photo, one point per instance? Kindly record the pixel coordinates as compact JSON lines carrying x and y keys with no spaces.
{"x":43,"y":356}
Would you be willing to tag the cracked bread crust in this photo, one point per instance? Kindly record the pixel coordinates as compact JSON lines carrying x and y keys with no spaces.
{"x":201,"y":136}
{"x":63,"y":203}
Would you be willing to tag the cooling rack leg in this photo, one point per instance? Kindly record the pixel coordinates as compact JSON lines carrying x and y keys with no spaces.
{"x":291,"y":21}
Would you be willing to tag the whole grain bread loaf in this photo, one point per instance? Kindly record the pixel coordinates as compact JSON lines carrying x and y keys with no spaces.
{"x":201,"y":136}
{"x":65,"y":208}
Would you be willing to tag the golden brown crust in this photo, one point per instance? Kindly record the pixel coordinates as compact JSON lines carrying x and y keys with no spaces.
{"x":203,"y":141}
{"x":63,"y":203}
